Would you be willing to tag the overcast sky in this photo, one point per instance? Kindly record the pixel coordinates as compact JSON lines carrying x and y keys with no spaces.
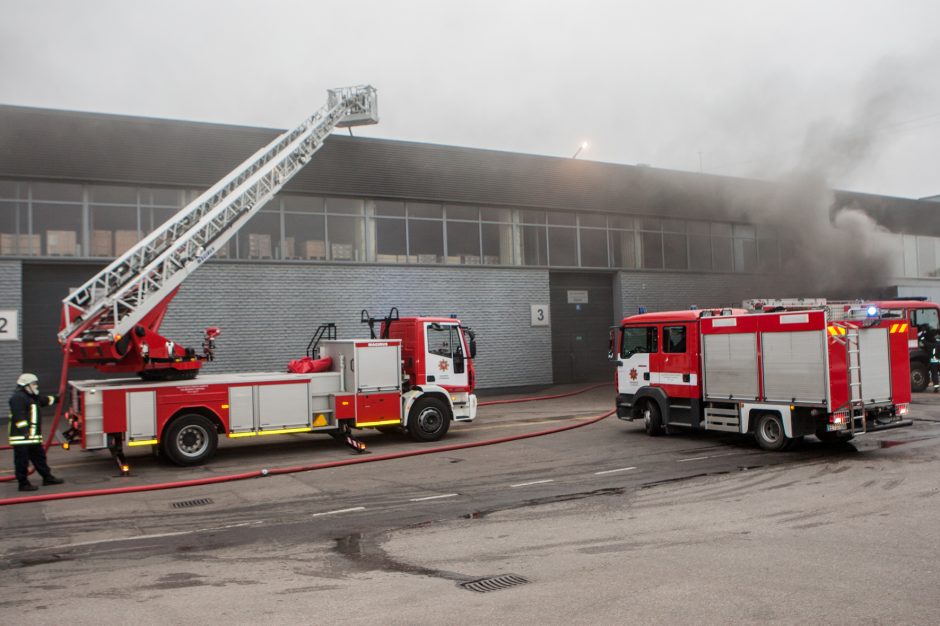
{"x":849,"y":89}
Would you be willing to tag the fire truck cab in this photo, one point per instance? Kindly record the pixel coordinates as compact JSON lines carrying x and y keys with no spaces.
{"x":778,"y":376}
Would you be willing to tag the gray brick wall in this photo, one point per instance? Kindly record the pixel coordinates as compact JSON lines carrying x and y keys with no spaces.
{"x":11,"y":352}
{"x":268,"y":312}
{"x":667,"y":291}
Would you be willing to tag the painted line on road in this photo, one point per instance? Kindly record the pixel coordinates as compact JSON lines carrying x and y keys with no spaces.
{"x":446,"y":495}
{"x":534,"y":482}
{"x":621,"y":469}
{"x":694,"y":458}
{"x":179,"y":533}
{"x":337,"y":511}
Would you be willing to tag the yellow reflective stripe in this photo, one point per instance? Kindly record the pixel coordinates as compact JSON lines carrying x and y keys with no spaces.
{"x":379,"y":423}
{"x":841,"y":330}
{"x":285,"y":431}
{"x":894,"y":328}
{"x":903,"y":328}
{"x":236,"y":435}
{"x":143,"y":442}
{"x":833,"y":331}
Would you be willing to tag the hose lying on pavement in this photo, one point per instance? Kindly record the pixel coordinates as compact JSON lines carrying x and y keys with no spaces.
{"x":297,"y":468}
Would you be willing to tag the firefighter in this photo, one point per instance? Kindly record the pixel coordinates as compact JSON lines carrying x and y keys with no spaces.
{"x":25,"y":435}
{"x":930,"y":339}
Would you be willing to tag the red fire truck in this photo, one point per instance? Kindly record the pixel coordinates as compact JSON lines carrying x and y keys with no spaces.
{"x":778,"y":376}
{"x":418,"y":374}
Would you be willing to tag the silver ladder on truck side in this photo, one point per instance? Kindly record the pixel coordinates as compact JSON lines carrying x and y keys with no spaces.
{"x":854,"y":369}
{"x":118,"y":297}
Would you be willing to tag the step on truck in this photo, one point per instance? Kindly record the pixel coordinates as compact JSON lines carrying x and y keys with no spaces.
{"x":776,"y":376}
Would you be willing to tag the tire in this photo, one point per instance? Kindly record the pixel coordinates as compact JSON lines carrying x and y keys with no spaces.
{"x":833,"y":437}
{"x":769,"y":433}
{"x":918,"y":377}
{"x":428,"y":420}
{"x":652,"y":419}
{"x":190,"y":440}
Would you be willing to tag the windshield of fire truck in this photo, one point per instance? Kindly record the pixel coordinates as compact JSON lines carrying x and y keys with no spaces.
{"x":636,"y":340}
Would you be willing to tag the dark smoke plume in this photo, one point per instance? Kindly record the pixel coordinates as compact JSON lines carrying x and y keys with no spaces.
{"x":837,"y":250}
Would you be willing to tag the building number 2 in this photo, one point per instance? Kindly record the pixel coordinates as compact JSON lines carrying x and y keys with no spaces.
{"x":3,"y":324}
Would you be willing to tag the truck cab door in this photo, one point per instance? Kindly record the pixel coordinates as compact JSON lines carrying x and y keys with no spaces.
{"x":637,"y":343}
{"x":445,"y":358}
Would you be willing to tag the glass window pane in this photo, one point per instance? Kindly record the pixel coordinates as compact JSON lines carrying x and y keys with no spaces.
{"x":619,"y":221}
{"x":651,"y":250}
{"x":463,"y":242}
{"x":390,"y":243}
{"x":14,"y":238}
{"x":110,"y":194}
{"x":303,"y":204}
{"x":345,"y":206}
{"x":650,"y":223}
{"x":345,"y":238}
{"x":744,"y":231}
{"x":455,"y":212}
{"x":926,"y":257}
{"x":699,"y":228}
{"x":676,"y":252}
{"x":152,"y":217}
{"x":13,"y":190}
{"x":426,"y":240}
{"x":745,"y":255}
{"x":421,"y":209}
{"x":57,"y":192}
{"x":722,"y":254}
{"x":389,"y":208}
{"x":562,"y":247}
{"x":305,"y":236}
{"x":593,"y":247}
{"x":113,"y":229}
{"x":60,"y":227}
{"x":532,"y":217}
{"x":534,"y":244}
{"x":497,"y":244}
{"x":700,"y":253}
{"x":769,"y":256}
{"x":592,"y":220}
{"x":623,"y":248}
{"x":674,"y":339}
{"x":721,"y":229}
{"x":641,"y":340}
{"x":260,"y":238}
{"x":674,"y":226}
{"x":161,"y":197}
{"x":495,"y":215}
{"x":910,"y":255}
{"x":562,"y":219}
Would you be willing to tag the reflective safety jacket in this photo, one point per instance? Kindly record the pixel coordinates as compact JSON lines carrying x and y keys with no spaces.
{"x":24,"y":416}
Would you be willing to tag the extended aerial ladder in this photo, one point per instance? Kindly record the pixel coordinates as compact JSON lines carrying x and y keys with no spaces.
{"x":112,"y":321}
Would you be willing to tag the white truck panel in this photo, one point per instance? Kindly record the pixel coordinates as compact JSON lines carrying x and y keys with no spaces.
{"x":876,"y":365}
{"x":730,"y":366}
{"x":795,"y":366}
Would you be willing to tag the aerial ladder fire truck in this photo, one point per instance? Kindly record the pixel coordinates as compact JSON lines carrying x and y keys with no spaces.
{"x":779,"y":371}
{"x":112,"y":323}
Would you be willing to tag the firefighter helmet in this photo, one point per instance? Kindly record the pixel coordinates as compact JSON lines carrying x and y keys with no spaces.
{"x":27,"y":379}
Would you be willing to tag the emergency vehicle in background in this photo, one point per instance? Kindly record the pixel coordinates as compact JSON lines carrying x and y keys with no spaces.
{"x":917,"y":313}
{"x":778,"y":375}
{"x":418,"y":374}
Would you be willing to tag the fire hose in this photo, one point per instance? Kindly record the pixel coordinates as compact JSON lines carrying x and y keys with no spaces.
{"x":318,"y":466}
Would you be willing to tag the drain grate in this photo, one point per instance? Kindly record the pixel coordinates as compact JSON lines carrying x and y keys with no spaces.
{"x":185,"y":504}
{"x":496,"y":583}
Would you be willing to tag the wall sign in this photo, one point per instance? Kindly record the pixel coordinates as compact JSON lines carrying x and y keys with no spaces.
{"x":8,"y":326}
{"x":577,"y":296}
{"x":540,"y":315}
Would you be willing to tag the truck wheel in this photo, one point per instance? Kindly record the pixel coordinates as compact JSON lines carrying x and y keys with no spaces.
{"x":652,"y":419}
{"x":918,"y":377}
{"x":190,"y":440}
{"x":428,"y":420}
{"x":827,"y":436}
{"x":769,"y":433}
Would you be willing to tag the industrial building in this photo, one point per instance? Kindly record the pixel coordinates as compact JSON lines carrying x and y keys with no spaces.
{"x":540,"y":255}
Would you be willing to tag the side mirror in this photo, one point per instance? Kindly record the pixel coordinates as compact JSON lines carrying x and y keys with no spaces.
{"x":471,"y":342}
{"x":611,"y":353}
